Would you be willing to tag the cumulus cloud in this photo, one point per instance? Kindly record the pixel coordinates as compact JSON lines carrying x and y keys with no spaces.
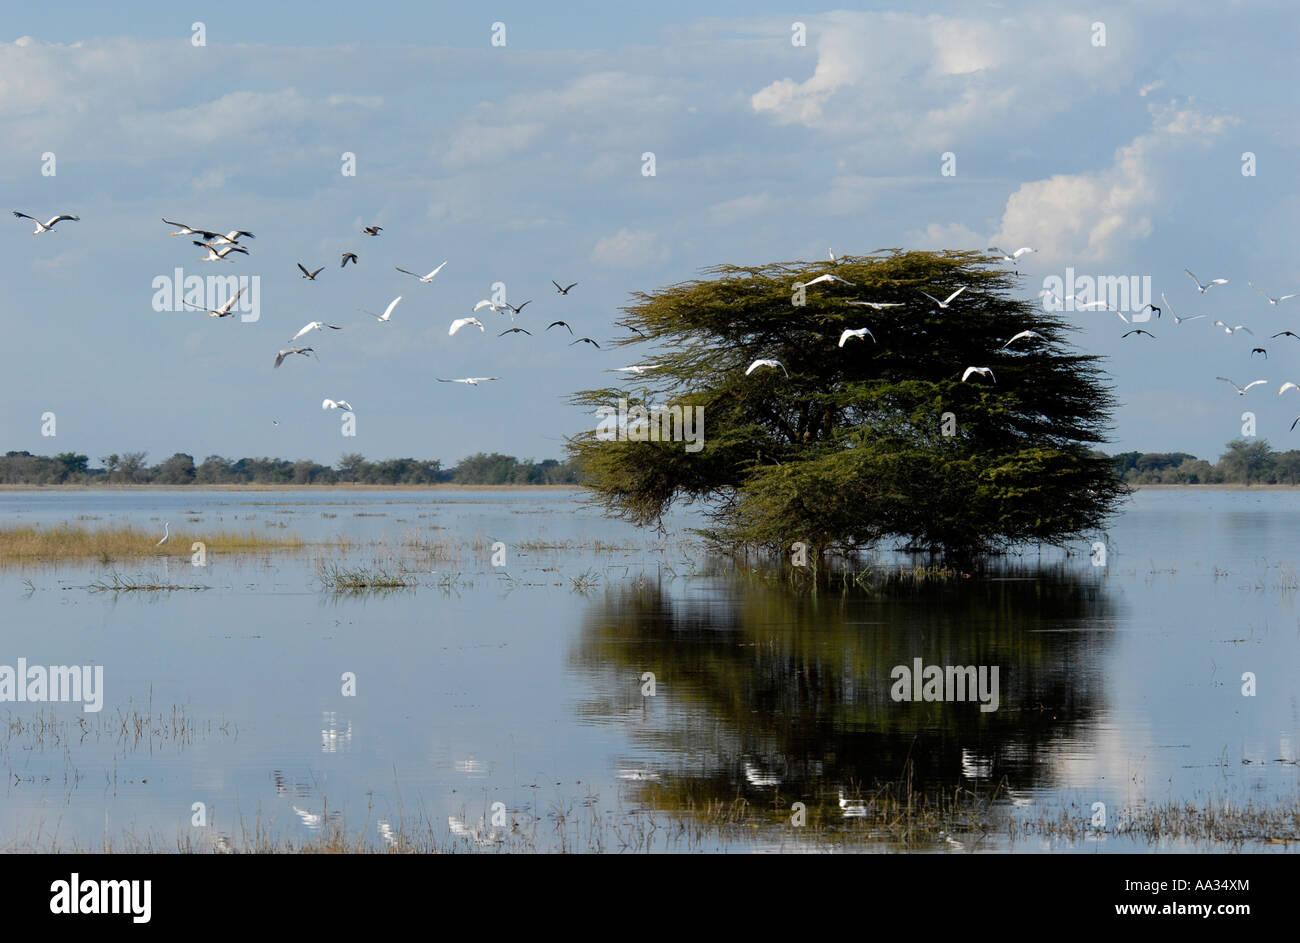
{"x":1091,"y":216}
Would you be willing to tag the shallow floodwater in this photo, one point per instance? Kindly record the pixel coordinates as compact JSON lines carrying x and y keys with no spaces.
{"x":524,"y":684}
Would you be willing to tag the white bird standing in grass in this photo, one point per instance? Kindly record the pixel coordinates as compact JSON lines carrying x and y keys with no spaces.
{"x":468,"y":381}
{"x":388,"y":312}
{"x":457,"y":324}
{"x":1023,"y":334}
{"x":45,"y":227}
{"x":1271,"y":300}
{"x":858,"y":333}
{"x":947,"y":301}
{"x":1241,"y":390}
{"x":424,"y":278}
{"x":982,"y":371}
{"x":166,"y":533}
{"x":767,"y":363}
{"x":341,"y":404}
{"x":1208,"y":285}
{"x":314,"y":326}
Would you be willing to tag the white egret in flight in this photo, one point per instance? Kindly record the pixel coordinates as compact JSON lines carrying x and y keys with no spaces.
{"x":314,"y":326}
{"x":1241,"y":390}
{"x":1208,"y":285}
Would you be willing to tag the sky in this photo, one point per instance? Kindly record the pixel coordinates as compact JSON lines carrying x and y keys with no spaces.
{"x":523,"y":162}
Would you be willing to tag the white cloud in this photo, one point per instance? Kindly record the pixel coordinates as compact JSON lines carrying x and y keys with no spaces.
{"x":1092,"y":216}
{"x":630,"y":248}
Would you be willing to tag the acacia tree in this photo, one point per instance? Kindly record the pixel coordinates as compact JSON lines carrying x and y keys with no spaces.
{"x":855,"y":446}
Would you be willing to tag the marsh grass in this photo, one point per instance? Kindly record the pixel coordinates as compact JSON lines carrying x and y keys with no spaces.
{"x":41,"y":545}
{"x":143,"y":583}
{"x":346,"y":579}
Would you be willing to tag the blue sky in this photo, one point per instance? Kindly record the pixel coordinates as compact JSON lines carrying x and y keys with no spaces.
{"x":522,"y":163}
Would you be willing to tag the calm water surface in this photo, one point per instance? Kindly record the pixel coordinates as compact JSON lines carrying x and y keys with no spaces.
{"x":522,"y":684}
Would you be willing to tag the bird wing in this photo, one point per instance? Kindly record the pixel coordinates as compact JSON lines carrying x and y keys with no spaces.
{"x":435,"y":271}
{"x":1242,"y":327}
{"x":1258,"y":289}
{"x":846,"y":335}
{"x":1254,"y":383}
{"x":969,"y":370}
{"x":484,"y":304}
{"x":279,"y":358}
{"x":1226,"y":380}
{"x":557,"y":285}
{"x":819,"y":278}
{"x":755,"y":365}
{"x":1287,"y":386}
{"x":25,"y":216}
{"x":391,"y":305}
{"x":1192,"y":277}
{"x":949,"y":299}
{"x":170,"y":223}
{"x":404,"y":271}
{"x":1285,"y":297}
{"x":1019,"y":252}
{"x":304,"y":270}
{"x":231,"y":303}
{"x":932,"y":298}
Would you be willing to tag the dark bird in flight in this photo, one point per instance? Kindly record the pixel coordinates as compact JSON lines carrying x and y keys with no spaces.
{"x":1155,"y":308}
{"x":1259,"y":350}
{"x":1140,"y":331}
{"x":348,"y":257}
{"x":562,"y":291}
{"x":517,"y":309}
{"x":559,"y":324}
{"x":515,"y":330}
{"x":372,"y":230}
{"x":310,"y":276}
{"x":279,"y":358}
{"x":1297,"y":419}
{"x":586,"y":340}
{"x":1287,"y":334}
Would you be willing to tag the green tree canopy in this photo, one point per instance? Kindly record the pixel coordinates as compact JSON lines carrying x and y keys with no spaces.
{"x":850,"y":448}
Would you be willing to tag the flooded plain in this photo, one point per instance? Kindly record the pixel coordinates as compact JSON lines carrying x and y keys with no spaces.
{"x":507,"y":670}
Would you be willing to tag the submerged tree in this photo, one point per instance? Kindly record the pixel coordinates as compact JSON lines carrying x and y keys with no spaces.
{"x":868,"y":441}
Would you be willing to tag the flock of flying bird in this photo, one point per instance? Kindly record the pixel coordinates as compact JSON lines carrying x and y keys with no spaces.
{"x":220,"y":246}
{"x":987,"y":372}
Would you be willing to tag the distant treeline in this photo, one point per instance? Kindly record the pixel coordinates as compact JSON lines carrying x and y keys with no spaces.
{"x":1244,"y":463}
{"x":69,"y":468}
